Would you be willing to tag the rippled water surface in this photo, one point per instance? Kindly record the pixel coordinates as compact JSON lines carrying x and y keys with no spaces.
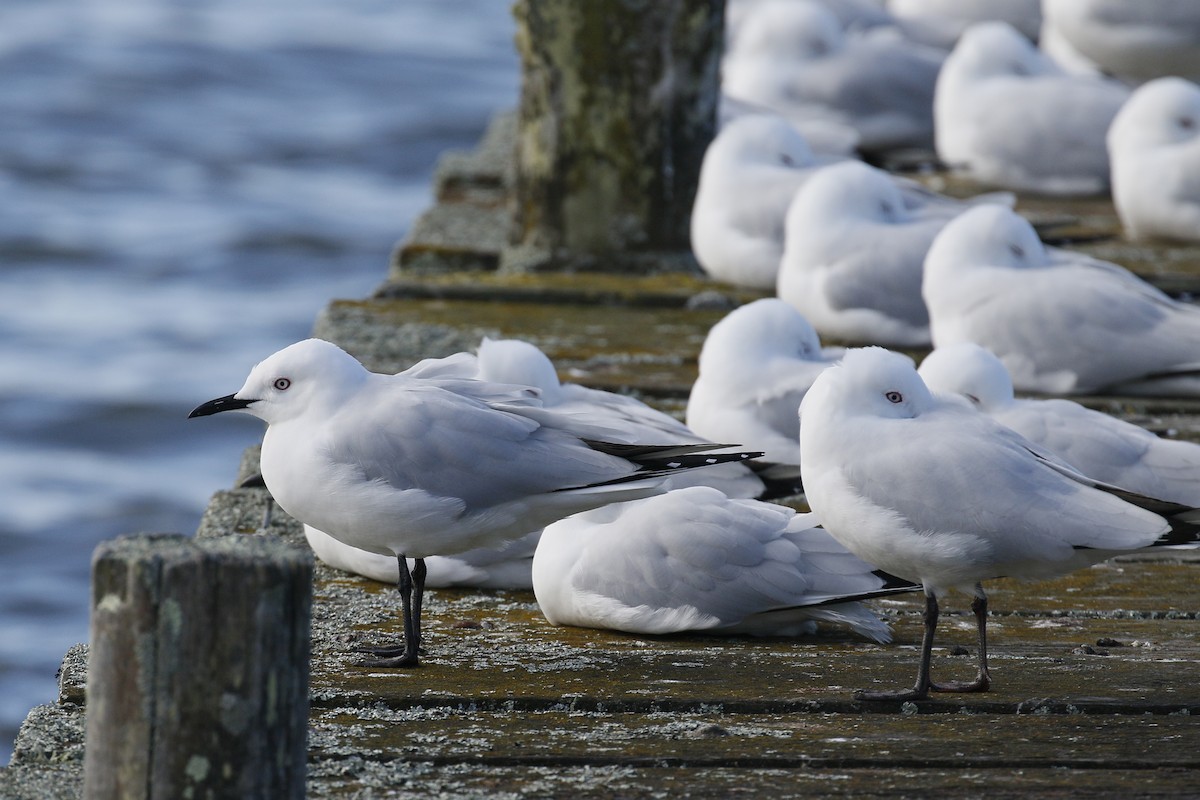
{"x":183,"y":187}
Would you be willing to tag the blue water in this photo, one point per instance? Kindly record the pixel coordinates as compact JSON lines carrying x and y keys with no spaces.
{"x":183,"y":186}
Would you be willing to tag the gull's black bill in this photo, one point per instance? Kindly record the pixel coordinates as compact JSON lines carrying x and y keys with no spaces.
{"x":226,"y":403}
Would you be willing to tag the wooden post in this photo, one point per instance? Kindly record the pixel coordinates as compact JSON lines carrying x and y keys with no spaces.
{"x":198,"y":671}
{"x":618,"y":103}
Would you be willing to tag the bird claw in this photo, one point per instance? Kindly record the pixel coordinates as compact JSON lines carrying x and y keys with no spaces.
{"x":980,"y":684}
{"x":383,"y":651}
{"x":403,"y":660}
{"x":898,"y":694}
{"x":386,"y":651}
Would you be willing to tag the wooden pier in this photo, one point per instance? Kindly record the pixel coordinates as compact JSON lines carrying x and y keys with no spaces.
{"x":1096,"y":676}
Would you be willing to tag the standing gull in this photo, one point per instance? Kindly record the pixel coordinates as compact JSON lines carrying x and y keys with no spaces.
{"x":933,"y":491}
{"x":406,"y":466}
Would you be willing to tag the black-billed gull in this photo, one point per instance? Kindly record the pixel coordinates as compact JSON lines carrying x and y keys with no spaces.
{"x":796,"y":58}
{"x":1134,"y":41}
{"x":853,"y":255}
{"x":750,"y":172}
{"x":407,"y":466}
{"x":517,"y":362}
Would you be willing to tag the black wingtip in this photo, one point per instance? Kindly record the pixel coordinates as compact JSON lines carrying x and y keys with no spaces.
{"x":894,"y":583}
{"x":662,"y":460}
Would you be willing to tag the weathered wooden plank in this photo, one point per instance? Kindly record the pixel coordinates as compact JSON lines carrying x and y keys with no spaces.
{"x":1044,"y":651}
{"x":757,"y":741}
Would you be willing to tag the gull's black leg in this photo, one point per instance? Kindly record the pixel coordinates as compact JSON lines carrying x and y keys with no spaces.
{"x":983,"y":681}
{"x":405,"y":655}
{"x":920,"y":691}
{"x":418,"y":577}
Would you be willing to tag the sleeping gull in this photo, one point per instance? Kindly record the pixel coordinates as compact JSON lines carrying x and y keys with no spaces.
{"x":1060,"y":321}
{"x":935,"y":492}
{"x":695,"y":560}
{"x":755,"y":366}
{"x":1098,"y":445}
{"x":952,"y":17}
{"x":504,"y":567}
{"x":794,"y":57}
{"x":1009,"y":116}
{"x":853,"y":255}
{"x":407,"y":466}
{"x":1133,"y":41}
{"x":1154,"y":149}
{"x":749,"y":174}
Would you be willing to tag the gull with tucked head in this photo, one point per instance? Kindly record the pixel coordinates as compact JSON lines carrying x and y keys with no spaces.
{"x":755,"y":366}
{"x":1062,"y":322}
{"x":1154,"y":147}
{"x":695,"y":560}
{"x":1008,"y":115}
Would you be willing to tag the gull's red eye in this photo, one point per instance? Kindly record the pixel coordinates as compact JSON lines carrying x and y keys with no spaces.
{"x":894,"y":397}
{"x":282,"y":384}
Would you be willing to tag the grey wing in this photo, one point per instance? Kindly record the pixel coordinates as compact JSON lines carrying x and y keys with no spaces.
{"x":1080,"y":320}
{"x":1039,"y":140}
{"x":631,"y":420}
{"x":959,"y":471}
{"x":458,"y":365}
{"x":884,"y":271}
{"x":833,"y":573}
{"x":1110,"y":449}
{"x":693,"y":547}
{"x":450,"y":444}
{"x":877,"y":76}
{"x":1098,"y":445}
{"x":779,"y":390}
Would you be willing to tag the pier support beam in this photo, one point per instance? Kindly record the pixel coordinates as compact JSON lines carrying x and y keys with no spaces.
{"x":618,"y":103}
{"x":198,"y":677}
